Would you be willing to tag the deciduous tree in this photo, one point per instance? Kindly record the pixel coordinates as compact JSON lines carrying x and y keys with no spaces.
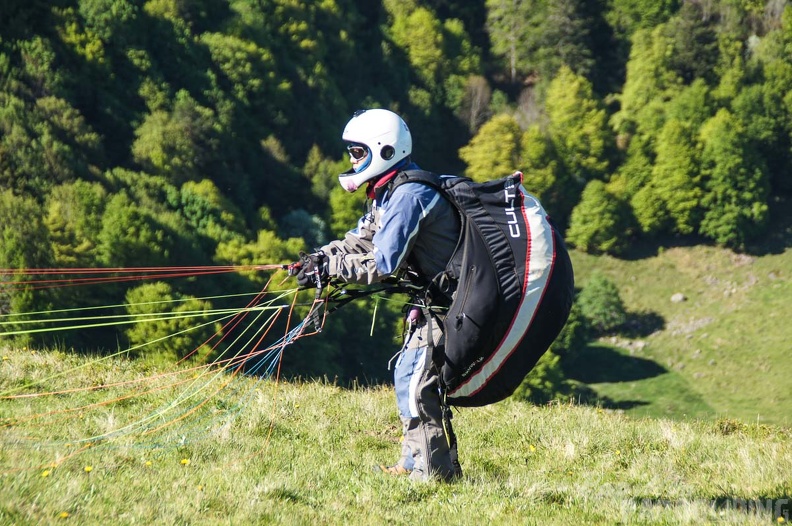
{"x":736,"y":183}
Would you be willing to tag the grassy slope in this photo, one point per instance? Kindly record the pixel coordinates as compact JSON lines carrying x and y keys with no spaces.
{"x":523,"y":464}
{"x":725,"y":351}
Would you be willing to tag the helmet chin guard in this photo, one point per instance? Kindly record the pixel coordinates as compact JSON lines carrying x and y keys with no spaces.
{"x":387,"y":138}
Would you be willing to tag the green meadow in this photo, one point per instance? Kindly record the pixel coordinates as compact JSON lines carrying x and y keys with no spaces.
{"x":692,"y":427}
{"x":304,"y":452}
{"x":724,"y":351}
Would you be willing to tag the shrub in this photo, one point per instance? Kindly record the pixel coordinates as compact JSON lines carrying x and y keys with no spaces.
{"x":601,"y":304}
{"x":573,"y":337}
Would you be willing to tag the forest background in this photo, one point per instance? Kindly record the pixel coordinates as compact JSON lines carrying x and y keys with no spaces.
{"x":183,"y":133}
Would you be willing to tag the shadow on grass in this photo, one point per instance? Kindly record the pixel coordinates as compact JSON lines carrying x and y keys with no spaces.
{"x":598,"y":364}
{"x":776,"y":240}
{"x":641,"y":324}
{"x":585,"y":395}
{"x":649,"y":248}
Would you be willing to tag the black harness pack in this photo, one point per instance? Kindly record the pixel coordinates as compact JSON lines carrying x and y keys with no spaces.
{"x":509,"y":286}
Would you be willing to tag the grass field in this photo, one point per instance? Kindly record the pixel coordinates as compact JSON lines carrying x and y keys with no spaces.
{"x":723,"y":352}
{"x":695,"y":426}
{"x":258,"y":452}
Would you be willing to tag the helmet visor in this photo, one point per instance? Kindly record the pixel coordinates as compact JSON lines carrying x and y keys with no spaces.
{"x":357,"y":151}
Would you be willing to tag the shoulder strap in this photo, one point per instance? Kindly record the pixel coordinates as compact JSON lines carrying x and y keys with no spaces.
{"x":415,"y":176}
{"x":438,"y":289}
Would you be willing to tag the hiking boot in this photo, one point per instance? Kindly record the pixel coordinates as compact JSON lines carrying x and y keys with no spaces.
{"x":396,"y":469}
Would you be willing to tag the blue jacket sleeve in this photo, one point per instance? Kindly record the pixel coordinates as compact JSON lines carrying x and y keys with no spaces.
{"x":401,"y":218}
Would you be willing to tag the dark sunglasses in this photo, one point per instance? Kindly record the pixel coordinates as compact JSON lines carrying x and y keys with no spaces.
{"x":356,"y":151}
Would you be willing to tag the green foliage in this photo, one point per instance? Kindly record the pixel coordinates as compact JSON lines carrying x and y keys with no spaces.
{"x":534,"y":39}
{"x":149,"y":191}
{"x":675,"y":178}
{"x":195,"y":14}
{"x":650,"y":213}
{"x":666,"y":197}
{"x":736,"y":184}
{"x":24,"y":244}
{"x":601,"y":305}
{"x":494,"y":151}
{"x":345,"y":209}
{"x":74,"y":220}
{"x":694,"y":52}
{"x":323,"y":172}
{"x":266,"y":249}
{"x":178,"y":145}
{"x":764,"y":110}
{"x":627,"y":16}
{"x":420,"y":35}
{"x":248,"y":73}
{"x":209,"y":212}
{"x":131,"y":236}
{"x":649,"y":82}
{"x":153,"y":133}
{"x":44,"y":144}
{"x":167,"y":325}
{"x":577,"y":125}
{"x":464,"y":67}
{"x":300,"y":224}
{"x":693,"y":105}
{"x":545,"y":382}
{"x":106,"y":18}
{"x":543,"y":175}
{"x":574,"y":337}
{"x":599,"y":222}
{"x":440,"y":52}
{"x":565,"y":40}
{"x":38,"y":73}
{"x":635,"y":173}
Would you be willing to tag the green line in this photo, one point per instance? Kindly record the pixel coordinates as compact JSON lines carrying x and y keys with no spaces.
{"x":133,"y":348}
{"x":107,"y":357}
{"x":186,"y":393}
{"x":239,"y":336}
{"x":111,"y":316}
{"x":150,"y":318}
{"x":181,"y":300}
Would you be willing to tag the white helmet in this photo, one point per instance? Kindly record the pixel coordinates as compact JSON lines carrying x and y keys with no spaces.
{"x":387,"y":141}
